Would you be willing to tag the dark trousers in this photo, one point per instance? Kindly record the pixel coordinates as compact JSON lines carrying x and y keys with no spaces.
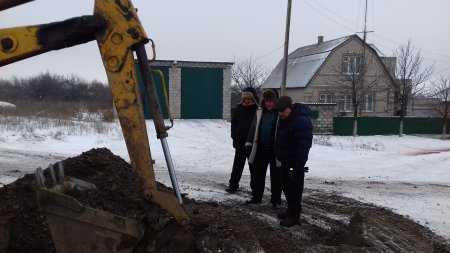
{"x":293,"y":180}
{"x":258,"y":170}
{"x":240,"y":156}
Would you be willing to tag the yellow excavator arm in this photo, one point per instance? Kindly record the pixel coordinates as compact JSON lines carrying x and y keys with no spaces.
{"x":118,"y":31}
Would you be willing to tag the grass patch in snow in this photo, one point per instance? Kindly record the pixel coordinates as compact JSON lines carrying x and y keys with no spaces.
{"x":349,"y":143}
{"x":39,"y":128}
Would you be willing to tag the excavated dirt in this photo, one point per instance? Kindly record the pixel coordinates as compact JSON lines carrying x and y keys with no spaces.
{"x":330,"y":223}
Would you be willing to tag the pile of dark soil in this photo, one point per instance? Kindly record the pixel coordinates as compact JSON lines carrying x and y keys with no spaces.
{"x":118,"y":191}
{"x":329,"y":223}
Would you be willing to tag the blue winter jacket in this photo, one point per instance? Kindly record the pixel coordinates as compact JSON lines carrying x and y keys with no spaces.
{"x":294,"y":137}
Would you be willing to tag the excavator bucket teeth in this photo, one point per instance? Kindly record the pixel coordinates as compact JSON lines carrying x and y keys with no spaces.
{"x":76,"y":228}
{"x":79,"y":229}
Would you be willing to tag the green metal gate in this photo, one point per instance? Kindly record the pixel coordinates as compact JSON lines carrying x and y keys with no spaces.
{"x":159,"y":91}
{"x":388,"y":125}
{"x":201,"y":93}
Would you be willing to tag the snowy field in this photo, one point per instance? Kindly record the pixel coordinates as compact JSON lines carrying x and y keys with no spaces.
{"x":7,"y":105}
{"x":411,"y":174}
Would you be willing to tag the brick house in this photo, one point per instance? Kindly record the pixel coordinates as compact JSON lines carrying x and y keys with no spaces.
{"x":422,"y":106}
{"x":318,"y":74}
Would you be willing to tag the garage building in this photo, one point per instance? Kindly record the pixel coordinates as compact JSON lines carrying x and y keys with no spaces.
{"x":196,"y":90}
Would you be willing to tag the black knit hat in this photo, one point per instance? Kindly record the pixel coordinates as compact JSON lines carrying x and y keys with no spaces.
{"x":252,"y":90}
{"x":283,"y":103}
{"x":270,"y":95}
{"x":251,"y":93}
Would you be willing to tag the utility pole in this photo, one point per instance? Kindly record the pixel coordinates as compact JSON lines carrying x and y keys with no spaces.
{"x":365,"y":32}
{"x":361,"y":69}
{"x":365,"y":35}
{"x":365,"y":24}
{"x":286,"y":48}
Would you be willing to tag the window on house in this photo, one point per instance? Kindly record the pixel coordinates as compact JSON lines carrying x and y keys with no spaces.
{"x":351,"y":64}
{"x":345,"y":103}
{"x":326,"y":98}
{"x":368,"y":103}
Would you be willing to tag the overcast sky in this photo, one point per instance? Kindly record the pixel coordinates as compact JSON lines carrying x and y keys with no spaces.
{"x":212,"y":30}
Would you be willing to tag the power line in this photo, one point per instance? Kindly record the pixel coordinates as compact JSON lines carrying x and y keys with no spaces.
{"x":330,"y":18}
{"x":443,"y":70}
{"x":436,"y":60}
{"x":397,"y":44}
{"x":359,"y":16}
{"x":341,"y":21}
{"x":317,"y":2}
{"x":387,"y":48}
{"x":269,"y":53}
{"x":344,"y":22}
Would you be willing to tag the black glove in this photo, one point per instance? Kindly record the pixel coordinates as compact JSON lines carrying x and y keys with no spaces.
{"x":302,"y":170}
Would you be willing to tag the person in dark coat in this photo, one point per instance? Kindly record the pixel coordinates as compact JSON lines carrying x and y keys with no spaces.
{"x":293,"y":142}
{"x":242,"y":117}
{"x":261,"y":140}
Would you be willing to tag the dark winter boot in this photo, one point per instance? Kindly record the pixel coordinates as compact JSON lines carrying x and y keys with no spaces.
{"x":275,"y":206}
{"x":253,"y":201}
{"x":282,"y":215}
{"x":290,"y":221}
{"x":231,"y":190}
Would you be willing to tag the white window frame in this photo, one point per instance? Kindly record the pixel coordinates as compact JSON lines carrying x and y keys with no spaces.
{"x":326,"y":98}
{"x":368,"y":103}
{"x":350,"y":63}
{"x":348,"y":103}
{"x":345,"y":103}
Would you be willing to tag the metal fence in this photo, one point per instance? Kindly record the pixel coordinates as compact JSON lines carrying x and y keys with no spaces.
{"x":388,"y":125}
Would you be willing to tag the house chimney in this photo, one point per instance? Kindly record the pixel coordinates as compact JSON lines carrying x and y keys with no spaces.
{"x":320,"y":39}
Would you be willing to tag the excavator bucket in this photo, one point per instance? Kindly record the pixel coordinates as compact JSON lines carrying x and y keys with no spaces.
{"x":76,"y":228}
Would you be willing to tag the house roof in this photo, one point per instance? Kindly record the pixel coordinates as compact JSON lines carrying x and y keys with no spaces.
{"x":303,"y":64}
{"x":200,"y":64}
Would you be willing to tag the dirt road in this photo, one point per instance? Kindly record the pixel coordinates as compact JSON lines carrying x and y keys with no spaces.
{"x":330,"y":222}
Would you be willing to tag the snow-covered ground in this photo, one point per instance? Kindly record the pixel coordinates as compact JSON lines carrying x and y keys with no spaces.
{"x":7,"y":105}
{"x":382,"y":158}
{"x":411,"y":174}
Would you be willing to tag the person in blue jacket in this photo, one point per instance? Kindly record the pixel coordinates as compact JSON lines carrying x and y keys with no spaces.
{"x":292,"y":144}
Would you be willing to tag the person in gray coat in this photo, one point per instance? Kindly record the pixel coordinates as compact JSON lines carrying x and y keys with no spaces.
{"x":261,"y":142}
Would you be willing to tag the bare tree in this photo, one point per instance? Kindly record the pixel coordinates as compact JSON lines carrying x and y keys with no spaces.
{"x":440,"y":91}
{"x":412,"y":76}
{"x":359,"y":79}
{"x":248,"y":73}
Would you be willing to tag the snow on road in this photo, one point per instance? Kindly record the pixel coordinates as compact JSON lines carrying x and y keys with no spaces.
{"x":410,"y":174}
{"x":205,"y":146}
{"x":382,"y":158}
{"x":7,"y":105}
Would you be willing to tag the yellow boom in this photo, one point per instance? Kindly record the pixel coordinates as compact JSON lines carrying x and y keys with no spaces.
{"x":118,"y":31}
